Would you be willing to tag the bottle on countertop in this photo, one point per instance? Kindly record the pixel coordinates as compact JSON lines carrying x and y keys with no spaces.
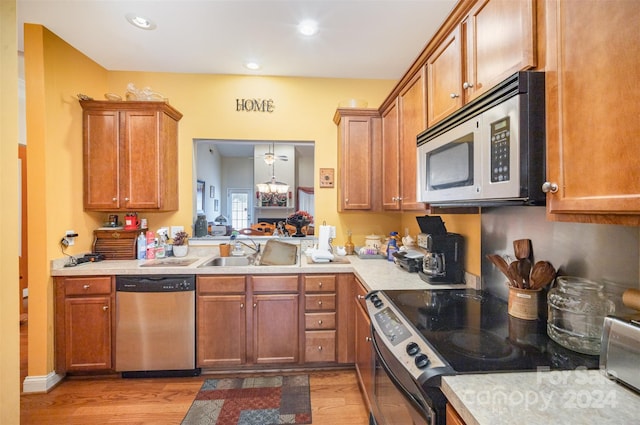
{"x":142,"y":246}
{"x":348,"y":246}
{"x":151,"y":245}
{"x":392,"y":245}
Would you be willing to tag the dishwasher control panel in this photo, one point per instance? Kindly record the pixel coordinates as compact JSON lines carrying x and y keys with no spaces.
{"x":155,"y":283}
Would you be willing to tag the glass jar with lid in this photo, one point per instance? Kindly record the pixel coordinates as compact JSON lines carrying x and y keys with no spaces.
{"x":577,"y":308}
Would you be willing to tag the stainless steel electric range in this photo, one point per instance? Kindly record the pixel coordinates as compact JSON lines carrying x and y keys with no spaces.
{"x":420,"y":336}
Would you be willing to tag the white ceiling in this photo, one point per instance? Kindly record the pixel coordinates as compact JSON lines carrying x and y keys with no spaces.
{"x":376,"y":39}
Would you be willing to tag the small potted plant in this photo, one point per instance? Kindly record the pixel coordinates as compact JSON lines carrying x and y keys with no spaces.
{"x":180,"y":244}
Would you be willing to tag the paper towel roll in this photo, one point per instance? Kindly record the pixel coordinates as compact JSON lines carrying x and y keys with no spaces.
{"x":323,"y":238}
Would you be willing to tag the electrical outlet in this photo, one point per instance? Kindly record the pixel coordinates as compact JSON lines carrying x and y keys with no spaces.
{"x":70,"y":237}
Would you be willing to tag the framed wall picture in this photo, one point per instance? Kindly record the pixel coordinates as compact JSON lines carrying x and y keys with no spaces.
{"x":200,"y":196}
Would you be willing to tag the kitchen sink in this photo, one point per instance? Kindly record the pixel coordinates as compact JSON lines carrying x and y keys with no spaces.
{"x":227,"y":262}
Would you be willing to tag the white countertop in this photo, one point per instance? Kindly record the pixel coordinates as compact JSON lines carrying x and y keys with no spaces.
{"x":545,"y":397}
{"x":375,"y":274}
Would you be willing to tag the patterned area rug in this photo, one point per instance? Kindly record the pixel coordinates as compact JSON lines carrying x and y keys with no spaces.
{"x":252,"y":401}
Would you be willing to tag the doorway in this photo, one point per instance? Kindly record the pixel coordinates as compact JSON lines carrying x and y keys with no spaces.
{"x":239,"y":203}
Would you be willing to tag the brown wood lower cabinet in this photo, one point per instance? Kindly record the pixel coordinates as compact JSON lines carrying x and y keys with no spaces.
{"x":453,"y":418}
{"x":247,"y":320}
{"x":320,"y":318}
{"x":84,"y":323}
{"x":364,"y":348}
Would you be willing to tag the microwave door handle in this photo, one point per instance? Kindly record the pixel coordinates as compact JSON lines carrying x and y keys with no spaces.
{"x":416,"y":403}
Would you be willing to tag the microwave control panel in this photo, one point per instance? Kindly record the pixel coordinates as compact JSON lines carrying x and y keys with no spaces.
{"x":500,"y":150}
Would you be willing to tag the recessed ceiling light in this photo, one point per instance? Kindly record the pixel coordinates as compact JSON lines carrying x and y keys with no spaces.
{"x":308,"y":27}
{"x":141,"y":22}
{"x":254,"y":66}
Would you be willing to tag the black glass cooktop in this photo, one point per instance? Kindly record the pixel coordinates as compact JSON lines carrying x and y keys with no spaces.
{"x":472,"y":331}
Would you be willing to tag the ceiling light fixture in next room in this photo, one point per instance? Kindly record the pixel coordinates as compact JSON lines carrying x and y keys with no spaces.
{"x":140,"y":22}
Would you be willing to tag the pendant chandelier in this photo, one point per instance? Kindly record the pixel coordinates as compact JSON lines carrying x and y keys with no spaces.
{"x":273,"y":186}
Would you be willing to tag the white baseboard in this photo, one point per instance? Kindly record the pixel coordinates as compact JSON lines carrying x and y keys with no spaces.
{"x":41,"y":384}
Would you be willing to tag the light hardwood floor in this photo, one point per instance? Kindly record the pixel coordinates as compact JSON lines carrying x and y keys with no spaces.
{"x":335,"y":400}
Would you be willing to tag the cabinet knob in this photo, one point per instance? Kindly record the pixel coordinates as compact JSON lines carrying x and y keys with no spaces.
{"x":105,"y":307}
{"x":255,"y":305}
{"x":86,"y":286}
{"x":320,"y":322}
{"x":319,"y":302}
{"x":467,"y":85}
{"x":319,"y":347}
{"x":454,"y":95}
{"x":114,"y":199}
{"x":320,"y":284}
{"x":367,"y":338}
{"x":549,"y":187}
{"x":346,"y":201}
{"x":126,"y":199}
{"x":241,"y":305}
{"x":361,"y":297}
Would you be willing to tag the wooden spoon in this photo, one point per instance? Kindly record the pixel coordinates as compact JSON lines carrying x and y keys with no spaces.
{"x":524,"y":268}
{"x":542,"y":274}
{"x":522,"y":248}
{"x":514,"y":274}
{"x":500,"y":263}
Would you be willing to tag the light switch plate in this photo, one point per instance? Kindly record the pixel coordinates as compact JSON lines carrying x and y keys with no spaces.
{"x":176,"y":229}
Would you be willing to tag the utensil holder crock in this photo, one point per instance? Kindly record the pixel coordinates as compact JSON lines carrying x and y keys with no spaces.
{"x":524,"y":303}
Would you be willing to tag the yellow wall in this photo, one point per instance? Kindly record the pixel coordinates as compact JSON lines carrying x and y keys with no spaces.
{"x":56,"y":72}
{"x":9,"y":288}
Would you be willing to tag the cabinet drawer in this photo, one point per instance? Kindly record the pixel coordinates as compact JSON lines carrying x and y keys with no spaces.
{"x":315,"y":321}
{"x":87,"y":285}
{"x":221,"y":284}
{"x":314,"y":302}
{"x":320,"y":346}
{"x":275,"y":283}
{"x":320,"y":283}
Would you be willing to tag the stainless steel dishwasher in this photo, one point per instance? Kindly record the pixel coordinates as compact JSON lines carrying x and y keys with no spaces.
{"x":155,"y":326}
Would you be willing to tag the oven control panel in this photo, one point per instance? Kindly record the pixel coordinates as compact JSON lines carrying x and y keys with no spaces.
{"x":401,"y":338}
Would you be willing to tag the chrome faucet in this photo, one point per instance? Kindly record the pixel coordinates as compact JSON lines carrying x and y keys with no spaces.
{"x":237,"y":242}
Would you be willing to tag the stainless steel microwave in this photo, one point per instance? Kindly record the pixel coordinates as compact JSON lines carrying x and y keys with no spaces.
{"x":491,"y":152}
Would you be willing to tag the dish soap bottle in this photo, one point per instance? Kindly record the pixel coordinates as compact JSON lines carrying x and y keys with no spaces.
{"x":142,"y":246}
{"x":392,"y":245}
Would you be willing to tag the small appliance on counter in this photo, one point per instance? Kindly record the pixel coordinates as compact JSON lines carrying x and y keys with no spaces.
{"x":409,"y":260}
{"x":443,"y":262}
{"x":620,"y":350}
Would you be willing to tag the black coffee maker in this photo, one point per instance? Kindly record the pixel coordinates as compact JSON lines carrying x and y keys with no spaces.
{"x":443,"y":262}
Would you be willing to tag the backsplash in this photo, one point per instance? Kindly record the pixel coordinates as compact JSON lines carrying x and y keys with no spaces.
{"x":603,"y":253}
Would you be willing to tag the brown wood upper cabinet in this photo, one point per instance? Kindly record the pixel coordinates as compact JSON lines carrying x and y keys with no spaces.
{"x":494,"y":40}
{"x":130,"y":156}
{"x":359,"y":134}
{"x":593,"y":164}
{"x":402,"y":121}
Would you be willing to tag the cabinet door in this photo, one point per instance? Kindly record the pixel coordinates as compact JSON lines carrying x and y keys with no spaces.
{"x":391,"y":158}
{"x":359,"y":132}
{"x":275,"y":328}
{"x":499,"y":39}
{"x":413,"y":120}
{"x":592,"y":108}
{"x":140,"y":180}
{"x":101,"y":160}
{"x":221,"y":327}
{"x":444,"y":70}
{"x":88,"y":333}
{"x":364,"y":353}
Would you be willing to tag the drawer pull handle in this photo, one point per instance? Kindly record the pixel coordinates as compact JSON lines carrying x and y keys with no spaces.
{"x":319,"y":347}
{"x":320,"y":322}
{"x":105,"y":307}
{"x":320,"y":284}
{"x":87,"y":286}
{"x":319,"y":302}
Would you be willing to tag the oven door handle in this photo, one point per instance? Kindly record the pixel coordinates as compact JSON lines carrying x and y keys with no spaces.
{"x":416,"y":403}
